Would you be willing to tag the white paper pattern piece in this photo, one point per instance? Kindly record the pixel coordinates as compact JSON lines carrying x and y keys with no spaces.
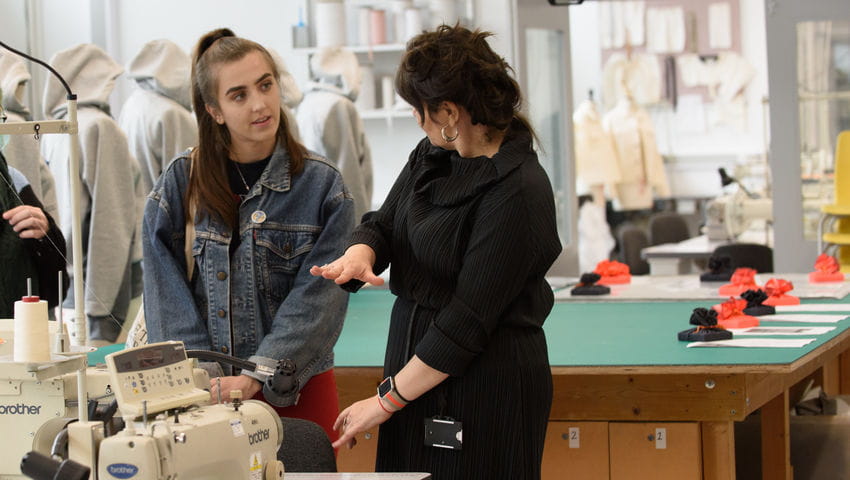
{"x":720,"y":25}
{"x":803,"y":317}
{"x":783,"y":330}
{"x":756,"y":343}
{"x":814,"y":307}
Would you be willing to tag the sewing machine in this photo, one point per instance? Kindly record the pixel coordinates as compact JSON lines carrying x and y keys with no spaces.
{"x":169,"y":429}
{"x":728,"y":216}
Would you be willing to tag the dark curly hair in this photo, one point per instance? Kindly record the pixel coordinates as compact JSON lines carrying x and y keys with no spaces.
{"x":457,"y":64}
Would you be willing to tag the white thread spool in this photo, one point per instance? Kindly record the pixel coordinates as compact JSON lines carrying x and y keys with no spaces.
{"x":330,"y":23}
{"x":443,"y":12}
{"x":32,"y":343}
{"x":363,"y":25}
{"x":366,"y":98}
{"x":412,"y":23}
{"x":396,"y":22}
{"x":387,"y":92}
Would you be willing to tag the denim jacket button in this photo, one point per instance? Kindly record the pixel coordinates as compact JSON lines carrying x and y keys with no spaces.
{"x":258,"y":216}
{"x":221,"y":313}
{"x":222,"y":275}
{"x":224,"y":349}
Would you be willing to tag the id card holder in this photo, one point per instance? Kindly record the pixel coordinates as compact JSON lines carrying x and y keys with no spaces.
{"x":443,"y":432}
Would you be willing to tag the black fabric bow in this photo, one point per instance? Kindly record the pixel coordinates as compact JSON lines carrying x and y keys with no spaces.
{"x":704,"y":317}
{"x":720,"y":263}
{"x":754,"y":298}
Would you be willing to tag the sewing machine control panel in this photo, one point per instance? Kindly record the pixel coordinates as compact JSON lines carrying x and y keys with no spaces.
{"x":159,"y":374}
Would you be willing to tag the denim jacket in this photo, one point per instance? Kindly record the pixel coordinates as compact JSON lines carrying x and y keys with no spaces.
{"x":260,"y":303}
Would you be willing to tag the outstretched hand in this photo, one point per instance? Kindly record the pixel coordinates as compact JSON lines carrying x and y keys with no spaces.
{"x":356,"y":263}
{"x":359,"y":417}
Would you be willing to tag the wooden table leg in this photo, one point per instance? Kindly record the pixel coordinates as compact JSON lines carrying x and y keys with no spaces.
{"x":775,"y":439}
{"x":844,"y":373}
{"x":718,"y":450}
{"x":831,"y":376}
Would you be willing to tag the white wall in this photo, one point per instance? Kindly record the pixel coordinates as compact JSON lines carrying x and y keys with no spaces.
{"x":586,"y":51}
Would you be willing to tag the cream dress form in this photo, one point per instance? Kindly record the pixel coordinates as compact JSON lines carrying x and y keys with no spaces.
{"x":597,"y":170}
{"x":641,"y":166}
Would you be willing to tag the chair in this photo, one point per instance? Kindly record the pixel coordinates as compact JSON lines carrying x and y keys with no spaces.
{"x":667,"y":227}
{"x":836,"y":214}
{"x":751,"y":255}
{"x":632,"y":240}
{"x":305,"y":447}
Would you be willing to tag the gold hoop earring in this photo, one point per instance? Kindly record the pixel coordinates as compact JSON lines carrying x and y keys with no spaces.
{"x":446,"y":137}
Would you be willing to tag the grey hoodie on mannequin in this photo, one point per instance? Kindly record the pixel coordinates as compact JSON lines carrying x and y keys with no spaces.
{"x":157,"y":117}
{"x":331,"y":126}
{"x":22,"y":151}
{"x":112,"y":199}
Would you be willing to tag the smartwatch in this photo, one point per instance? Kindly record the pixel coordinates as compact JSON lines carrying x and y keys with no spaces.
{"x":388,"y":393}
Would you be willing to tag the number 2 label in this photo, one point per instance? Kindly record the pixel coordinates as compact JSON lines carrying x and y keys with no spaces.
{"x":575,"y":437}
{"x":660,"y":438}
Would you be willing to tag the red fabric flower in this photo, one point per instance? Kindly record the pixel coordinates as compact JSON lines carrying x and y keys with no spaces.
{"x":826,"y":264}
{"x":732,"y":308}
{"x":776,"y":287}
{"x":611,"y":268}
{"x":743,"y":276}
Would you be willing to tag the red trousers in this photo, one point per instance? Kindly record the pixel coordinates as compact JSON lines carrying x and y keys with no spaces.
{"x":318,"y":403}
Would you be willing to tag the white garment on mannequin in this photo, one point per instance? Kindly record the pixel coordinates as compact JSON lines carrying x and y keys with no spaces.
{"x":595,"y":241}
{"x":641,"y":165}
{"x":596,"y":159}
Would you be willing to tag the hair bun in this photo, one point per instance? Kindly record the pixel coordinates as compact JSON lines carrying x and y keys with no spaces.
{"x":207,"y":40}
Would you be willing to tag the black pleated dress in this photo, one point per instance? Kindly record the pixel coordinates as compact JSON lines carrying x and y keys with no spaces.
{"x":469,"y":242}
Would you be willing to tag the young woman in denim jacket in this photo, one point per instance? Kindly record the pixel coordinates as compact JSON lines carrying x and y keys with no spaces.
{"x":264,"y":211}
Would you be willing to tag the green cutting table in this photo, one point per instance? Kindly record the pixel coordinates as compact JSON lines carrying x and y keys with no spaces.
{"x":621,"y":362}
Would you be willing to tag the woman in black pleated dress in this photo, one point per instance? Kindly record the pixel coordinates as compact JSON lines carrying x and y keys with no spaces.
{"x":468,"y":231}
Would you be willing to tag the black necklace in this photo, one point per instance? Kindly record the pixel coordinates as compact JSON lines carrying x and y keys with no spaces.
{"x":244,"y":182}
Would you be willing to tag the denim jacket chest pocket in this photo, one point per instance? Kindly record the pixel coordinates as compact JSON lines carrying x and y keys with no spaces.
{"x":281,"y":250}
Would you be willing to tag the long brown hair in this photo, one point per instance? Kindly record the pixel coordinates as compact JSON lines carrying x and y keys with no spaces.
{"x":456,"y":64}
{"x":209,"y":192}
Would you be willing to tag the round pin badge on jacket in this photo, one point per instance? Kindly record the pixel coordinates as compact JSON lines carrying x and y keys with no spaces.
{"x":258,"y":216}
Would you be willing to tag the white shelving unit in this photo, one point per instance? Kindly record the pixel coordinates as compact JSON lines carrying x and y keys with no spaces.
{"x":386,"y":47}
{"x":385,"y":114}
{"x":383,"y":60}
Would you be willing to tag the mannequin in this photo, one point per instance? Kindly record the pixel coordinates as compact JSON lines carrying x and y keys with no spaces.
{"x":596,"y":167}
{"x":641,"y":166}
{"x":22,"y":151}
{"x":289,"y":93}
{"x":331,"y":126}
{"x":157,"y":116}
{"x":111,"y":198}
